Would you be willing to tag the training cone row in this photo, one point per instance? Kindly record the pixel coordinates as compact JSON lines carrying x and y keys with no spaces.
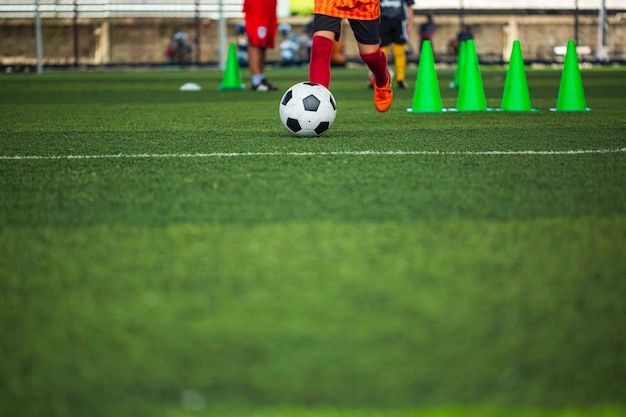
{"x":471,"y":95}
{"x":232,"y":74}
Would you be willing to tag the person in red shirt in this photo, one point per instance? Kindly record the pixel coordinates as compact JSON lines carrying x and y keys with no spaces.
{"x":261,"y":21}
{"x":364,"y":19}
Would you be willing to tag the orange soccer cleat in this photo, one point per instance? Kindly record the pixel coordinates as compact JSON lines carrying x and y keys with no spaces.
{"x":383,"y":96}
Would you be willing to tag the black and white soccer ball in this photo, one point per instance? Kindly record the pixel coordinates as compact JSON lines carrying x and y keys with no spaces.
{"x":307,"y":109}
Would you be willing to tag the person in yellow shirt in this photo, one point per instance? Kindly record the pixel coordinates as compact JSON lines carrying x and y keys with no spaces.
{"x":364,"y":19}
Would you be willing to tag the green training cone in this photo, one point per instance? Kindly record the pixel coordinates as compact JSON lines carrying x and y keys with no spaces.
{"x":515,"y":96}
{"x":427,"y":97}
{"x":571,"y":94}
{"x":471,"y":95}
{"x":232,"y":75}
{"x":459,"y":65}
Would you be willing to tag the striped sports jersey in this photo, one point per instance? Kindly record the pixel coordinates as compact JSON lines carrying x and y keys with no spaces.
{"x":348,"y":9}
{"x":395,"y":9}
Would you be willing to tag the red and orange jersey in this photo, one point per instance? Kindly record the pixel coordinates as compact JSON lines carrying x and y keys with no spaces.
{"x":349,"y":9}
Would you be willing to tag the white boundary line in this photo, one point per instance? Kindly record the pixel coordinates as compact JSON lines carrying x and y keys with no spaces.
{"x":320,"y":153}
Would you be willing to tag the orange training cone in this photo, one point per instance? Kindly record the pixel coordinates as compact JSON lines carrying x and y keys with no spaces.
{"x":515,"y":96}
{"x":571,"y":94}
{"x":427,"y":97}
{"x":232,"y":75}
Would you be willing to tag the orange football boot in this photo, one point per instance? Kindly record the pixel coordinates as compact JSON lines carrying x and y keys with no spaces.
{"x":383,"y":96}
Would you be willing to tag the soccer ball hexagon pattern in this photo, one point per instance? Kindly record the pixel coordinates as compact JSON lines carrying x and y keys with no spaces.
{"x":307,"y":109}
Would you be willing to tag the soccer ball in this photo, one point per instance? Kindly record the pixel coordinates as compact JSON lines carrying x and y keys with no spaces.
{"x":307,"y":109}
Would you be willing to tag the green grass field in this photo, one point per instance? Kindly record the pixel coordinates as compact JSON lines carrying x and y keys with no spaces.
{"x":167,"y":253}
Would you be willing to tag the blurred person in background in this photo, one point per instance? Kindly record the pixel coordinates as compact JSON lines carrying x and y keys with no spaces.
{"x":178,"y":51}
{"x":464,"y":34}
{"x":396,"y":22}
{"x":294,"y":49}
{"x":261,"y":22}
{"x":427,"y":30}
{"x":242,"y":45}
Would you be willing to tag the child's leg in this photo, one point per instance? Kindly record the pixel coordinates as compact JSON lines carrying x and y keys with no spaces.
{"x":399,"y":56}
{"x":385,"y":49}
{"x":376,"y":61}
{"x":367,"y":34}
{"x":321,"y":51}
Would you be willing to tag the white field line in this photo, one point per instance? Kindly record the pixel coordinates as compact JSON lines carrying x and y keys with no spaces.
{"x":319,"y":153}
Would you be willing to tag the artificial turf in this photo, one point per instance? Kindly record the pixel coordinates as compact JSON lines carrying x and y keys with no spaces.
{"x":179,"y":253}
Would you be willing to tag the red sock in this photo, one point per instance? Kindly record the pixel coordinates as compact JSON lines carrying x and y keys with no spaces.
{"x":377,"y":63}
{"x":319,"y":67}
